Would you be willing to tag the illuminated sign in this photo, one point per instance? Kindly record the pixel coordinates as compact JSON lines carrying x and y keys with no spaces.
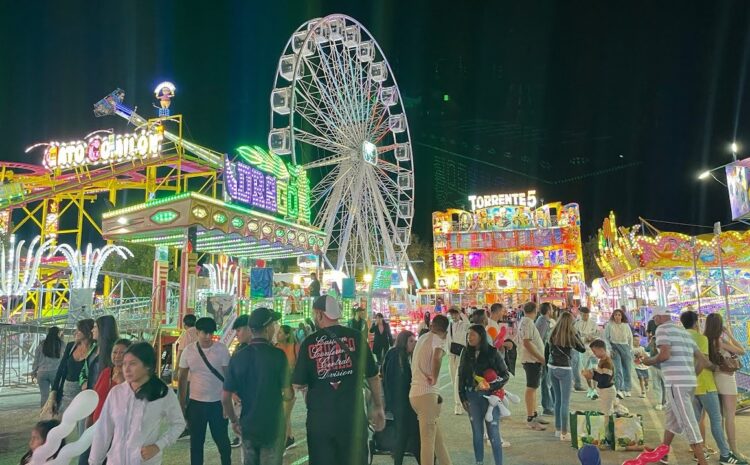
{"x":268,"y":184}
{"x":738,"y":180}
{"x":104,"y":149}
{"x":521,"y":199}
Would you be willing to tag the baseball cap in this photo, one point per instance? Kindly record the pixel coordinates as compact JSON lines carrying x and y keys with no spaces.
{"x":329,"y":306}
{"x":262,"y":317}
{"x":241,"y":322}
{"x":661,"y":311}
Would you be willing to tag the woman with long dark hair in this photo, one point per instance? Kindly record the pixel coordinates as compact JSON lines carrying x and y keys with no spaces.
{"x":68,"y":381}
{"x":105,"y":334}
{"x":141,"y":416}
{"x":722,"y":345}
{"x":396,"y":383}
{"x":382,"y":338}
{"x":559,"y":352}
{"x":477,"y":359}
{"x":619,"y":336}
{"x":47,"y":361}
{"x":110,"y":377}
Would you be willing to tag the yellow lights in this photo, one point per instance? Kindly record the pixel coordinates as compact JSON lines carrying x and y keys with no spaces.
{"x":367,"y":278}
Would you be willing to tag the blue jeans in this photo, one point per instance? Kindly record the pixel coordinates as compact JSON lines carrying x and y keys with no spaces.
{"x":622,"y":356}
{"x":477,"y":410}
{"x":710,"y":403}
{"x":562,"y":382}
{"x":548,"y":398}
{"x":575,"y":364}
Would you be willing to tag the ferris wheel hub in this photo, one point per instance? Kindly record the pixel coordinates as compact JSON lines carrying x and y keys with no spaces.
{"x":370,"y":152}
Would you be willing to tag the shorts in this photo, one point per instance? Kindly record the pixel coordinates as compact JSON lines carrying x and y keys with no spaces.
{"x":642,"y":374}
{"x":533,"y":374}
{"x":726,"y":383}
{"x":680,"y":414}
{"x":607,"y":398}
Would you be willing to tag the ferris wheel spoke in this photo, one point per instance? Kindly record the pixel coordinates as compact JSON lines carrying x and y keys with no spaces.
{"x":315,"y":114}
{"x":332,"y":99}
{"x":386,"y":224}
{"x":323,"y":143}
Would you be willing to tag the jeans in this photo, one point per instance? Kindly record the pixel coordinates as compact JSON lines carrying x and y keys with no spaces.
{"x":45,"y":380}
{"x":453,"y":361}
{"x":477,"y":410}
{"x":622,"y":356}
{"x":266,"y":454}
{"x":430,"y":433}
{"x":575,"y":364}
{"x":562,"y":381}
{"x":548,"y":397}
{"x":711,"y":404}
{"x":198,"y":414}
{"x":657,"y":382}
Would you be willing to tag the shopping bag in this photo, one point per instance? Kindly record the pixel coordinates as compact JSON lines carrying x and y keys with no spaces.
{"x":589,"y":428}
{"x":627,"y":432}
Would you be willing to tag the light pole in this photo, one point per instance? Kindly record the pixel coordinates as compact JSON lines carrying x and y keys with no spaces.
{"x":717,"y":234}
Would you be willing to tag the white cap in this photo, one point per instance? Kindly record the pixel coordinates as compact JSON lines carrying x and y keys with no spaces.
{"x":661,"y":311}
{"x":329,"y":306}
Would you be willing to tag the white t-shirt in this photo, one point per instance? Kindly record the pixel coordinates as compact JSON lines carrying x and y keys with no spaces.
{"x":204,"y":385}
{"x":527,"y":330}
{"x":421,"y":364}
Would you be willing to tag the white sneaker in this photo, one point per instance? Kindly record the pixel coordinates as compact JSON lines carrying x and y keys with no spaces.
{"x":565,"y":437}
{"x":620,"y":394}
{"x":659,"y":407}
{"x":627,"y":394}
{"x":557,"y":433}
{"x":643,"y":395}
{"x":505,"y":443}
{"x":458,"y":411}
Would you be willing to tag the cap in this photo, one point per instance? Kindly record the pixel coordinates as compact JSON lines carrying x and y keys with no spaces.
{"x":241,"y":322}
{"x":661,"y":311}
{"x":262,"y":317}
{"x":329,"y":306}
{"x":589,"y":455}
{"x":584,"y":310}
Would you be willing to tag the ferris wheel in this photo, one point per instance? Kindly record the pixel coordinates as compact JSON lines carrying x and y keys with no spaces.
{"x":337,"y":111}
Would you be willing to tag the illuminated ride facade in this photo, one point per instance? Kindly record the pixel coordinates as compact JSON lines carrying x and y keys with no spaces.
{"x":507,"y":250}
{"x":644,"y":267}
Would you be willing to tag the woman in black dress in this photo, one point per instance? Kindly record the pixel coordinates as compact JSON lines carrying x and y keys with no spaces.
{"x":397,"y":381}
{"x":383,"y":339}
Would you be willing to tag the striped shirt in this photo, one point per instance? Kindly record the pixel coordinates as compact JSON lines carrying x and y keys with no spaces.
{"x":679,"y":368}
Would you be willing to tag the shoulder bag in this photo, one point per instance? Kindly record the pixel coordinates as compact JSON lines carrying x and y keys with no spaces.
{"x":208,"y":364}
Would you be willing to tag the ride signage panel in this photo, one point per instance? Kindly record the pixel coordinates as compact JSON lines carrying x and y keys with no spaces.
{"x":104,"y":149}
{"x":522,"y":199}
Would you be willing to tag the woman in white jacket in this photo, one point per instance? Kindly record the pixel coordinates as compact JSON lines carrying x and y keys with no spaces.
{"x":129,"y":430}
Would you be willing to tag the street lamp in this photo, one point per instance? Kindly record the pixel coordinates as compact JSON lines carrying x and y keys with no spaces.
{"x":368,"y":278}
{"x":425,"y":283}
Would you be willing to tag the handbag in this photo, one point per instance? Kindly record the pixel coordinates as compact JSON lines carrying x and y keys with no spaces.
{"x":455,"y":348}
{"x":729,"y":364}
{"x":208,"y":364}
{"x":49,"y":409}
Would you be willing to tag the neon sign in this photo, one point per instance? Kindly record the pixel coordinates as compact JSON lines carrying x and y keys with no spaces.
{"x":521,"y":199}
{"x":107,"y":149}
{"x":265,"y":182}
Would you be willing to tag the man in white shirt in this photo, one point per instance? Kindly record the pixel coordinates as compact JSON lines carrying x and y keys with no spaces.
{"x":457,"y":330}
{"x":588,"y":331}
{"x":531,"y":353}
{"x":204,"y":365}
{"x":423,"y":395}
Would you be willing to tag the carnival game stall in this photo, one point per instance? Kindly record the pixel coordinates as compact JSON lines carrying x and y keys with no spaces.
{"x":644,"y":267}
{"x":509,"y":250}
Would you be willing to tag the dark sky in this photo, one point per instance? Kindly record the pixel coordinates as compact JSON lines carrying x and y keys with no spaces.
{"x":614,"y":105}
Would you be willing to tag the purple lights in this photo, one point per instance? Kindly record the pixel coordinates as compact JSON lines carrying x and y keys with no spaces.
{"x":250,"y":186}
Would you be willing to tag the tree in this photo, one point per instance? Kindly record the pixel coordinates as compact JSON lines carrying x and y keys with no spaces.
{"x":422,"y":255}
{"x":141,"y":264}
{"x":590,"y":268}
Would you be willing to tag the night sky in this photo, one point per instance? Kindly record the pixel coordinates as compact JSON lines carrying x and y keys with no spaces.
{"x":614,"y":105}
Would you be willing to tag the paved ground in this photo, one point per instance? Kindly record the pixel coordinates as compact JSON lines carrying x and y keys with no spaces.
{"x":19,"y":409}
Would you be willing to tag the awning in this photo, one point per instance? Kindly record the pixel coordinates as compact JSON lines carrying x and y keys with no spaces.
{"x":220,"y":228}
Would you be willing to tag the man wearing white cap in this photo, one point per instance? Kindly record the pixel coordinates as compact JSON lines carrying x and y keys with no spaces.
{"x":332,"y":365}
{"x":677,"y":354}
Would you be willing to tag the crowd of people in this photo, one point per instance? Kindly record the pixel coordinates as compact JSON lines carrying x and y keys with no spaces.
{"x":392,"y":382}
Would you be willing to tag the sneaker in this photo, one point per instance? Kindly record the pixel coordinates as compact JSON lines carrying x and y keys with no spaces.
{"x":565,"y":437}
{"x":731,"y":459}
{"x":458,"y":411}
{"x":505,"y":443}
{"x":643,"y":395}
{"x":235,"y":443}
{"x":557,"y":433}
{"x":620,"y":395}
{"x":590,"y":394}
{"x":290,"y":443}
{"x":595,"y":396}
{"x":627,"y":394}
{"x":664,"y":460}
{"x":706,"y":455}
{"x":659,"y":407}
{"x":540,"y":420}
{"x":535,"y":425}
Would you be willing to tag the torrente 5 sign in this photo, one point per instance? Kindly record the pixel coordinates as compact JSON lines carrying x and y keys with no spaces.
{"x":522,"y":199}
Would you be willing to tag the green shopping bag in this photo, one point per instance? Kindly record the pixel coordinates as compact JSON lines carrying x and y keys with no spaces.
{"x":590,"y":428}
{"x":627,"y":432}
